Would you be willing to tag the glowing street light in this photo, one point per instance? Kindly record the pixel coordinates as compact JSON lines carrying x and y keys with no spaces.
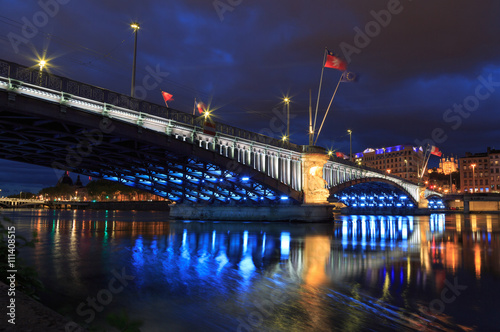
{"x":42,"y":64}
{"x":286,"y":100}
{"x":136,"y":27}
{"x":349,"y":131}
{"x":284,"y":138}
{"x":406,"y":164}
{"x":473,"y":178}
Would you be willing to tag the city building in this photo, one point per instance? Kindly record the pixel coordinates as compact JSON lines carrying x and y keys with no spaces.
{"x":400,"y":160}
{"x":447,"y":166}
{"x":480,"y":172}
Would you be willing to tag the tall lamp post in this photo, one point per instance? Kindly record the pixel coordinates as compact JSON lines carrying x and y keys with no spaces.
{"x":349,"y":131}
{"x":136,"y":27}
{"x":473,"y":178}
{"x":287,"y":103}
{"x":406,"y":164}
{"x":42,"y":64}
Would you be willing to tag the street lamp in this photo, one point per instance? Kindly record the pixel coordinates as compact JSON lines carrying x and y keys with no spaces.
{"x":349,"y":131}
{"x":136,"y":27}
{"x":42,"y":64}
{"x":286,"y":100}
{"x":473,"y":178}
{"x":406,"y":164}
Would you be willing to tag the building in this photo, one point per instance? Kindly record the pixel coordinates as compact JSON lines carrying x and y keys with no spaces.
{"x":447,"y":166}
{"x":400,"y":160}
{"x":480,"y":172}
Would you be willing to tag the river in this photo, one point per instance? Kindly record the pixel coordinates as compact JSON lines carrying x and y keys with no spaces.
{"x":357,"y":273}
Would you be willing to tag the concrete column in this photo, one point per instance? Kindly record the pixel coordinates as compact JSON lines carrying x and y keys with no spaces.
{"x":288,"y":177}
{"x":276,"y":167}
{"x":466,"y":205}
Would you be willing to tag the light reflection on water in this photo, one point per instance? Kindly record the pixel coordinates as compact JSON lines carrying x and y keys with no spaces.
{"x":360,"y":272}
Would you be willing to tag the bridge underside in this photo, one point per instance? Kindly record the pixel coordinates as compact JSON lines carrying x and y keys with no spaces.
{"x":373,"y":194}
{"x":36,"y":132}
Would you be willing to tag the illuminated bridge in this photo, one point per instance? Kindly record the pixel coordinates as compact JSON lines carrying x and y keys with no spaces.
{"x":56,"y":122}
{"x":20,"y":202}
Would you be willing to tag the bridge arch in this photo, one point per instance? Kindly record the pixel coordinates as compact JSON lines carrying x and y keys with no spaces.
{"x":372,"y":180}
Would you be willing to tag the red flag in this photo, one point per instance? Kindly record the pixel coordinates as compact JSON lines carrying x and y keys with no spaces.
{"x":339,"y":154}
{"x":209,"y":128}
{"x":335,"y":62}
{"x":435,"y":151}
{"x":201,"y":107}
{"x":166,"y":97}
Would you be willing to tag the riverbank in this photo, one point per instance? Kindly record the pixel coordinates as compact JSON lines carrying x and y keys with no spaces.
{"x":31,"y":315}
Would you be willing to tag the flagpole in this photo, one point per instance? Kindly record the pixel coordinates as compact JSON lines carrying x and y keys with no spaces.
{"x":425,"y":166}
{"x":328,"y":109}
{"x":311,"y":132}
{"x":194,"y":107}
{"x":319,"y":91}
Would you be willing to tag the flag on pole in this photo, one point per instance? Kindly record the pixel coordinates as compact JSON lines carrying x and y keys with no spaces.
{"x":335,"y":62}
{"x":339,"y":154}
{"x":166,"y":97}
{"x":348,"y":76}
{"x":435,"y":151}
{"x":201,"y":107}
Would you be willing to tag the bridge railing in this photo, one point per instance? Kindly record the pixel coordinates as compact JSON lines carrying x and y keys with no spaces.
{"x":33,"y":76}
{"x":365,"y":168}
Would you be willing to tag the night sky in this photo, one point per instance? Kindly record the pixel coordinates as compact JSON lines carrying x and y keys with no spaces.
{"x":417,"y":63}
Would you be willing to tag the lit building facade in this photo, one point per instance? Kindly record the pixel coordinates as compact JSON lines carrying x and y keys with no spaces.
{"x":400,"y":160}
{"x":447,"y":166}
{"x":480,"y":172}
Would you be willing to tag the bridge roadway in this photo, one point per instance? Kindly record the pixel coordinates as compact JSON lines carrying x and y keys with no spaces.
{"x":56,"y":122}
{"x":19,"y":202}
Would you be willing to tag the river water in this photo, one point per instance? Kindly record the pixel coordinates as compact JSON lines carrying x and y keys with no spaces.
{"x":357,"y":273}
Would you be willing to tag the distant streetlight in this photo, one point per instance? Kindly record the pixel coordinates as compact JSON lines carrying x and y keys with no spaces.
{"x":349,"y":131}
{"x":473,"y":178}
{"x":284,"y":138}
{"x":286,"y":100}
{"x":42,"y":64}
{"x":406,"y":163}
{"x":136,"y":27}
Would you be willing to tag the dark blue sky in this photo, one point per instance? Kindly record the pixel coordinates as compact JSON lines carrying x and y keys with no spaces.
{"x":414,"y":64}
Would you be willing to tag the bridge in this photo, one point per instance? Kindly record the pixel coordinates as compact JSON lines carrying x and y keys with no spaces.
{"x":56,"y":122}
{"x":19,"y":202}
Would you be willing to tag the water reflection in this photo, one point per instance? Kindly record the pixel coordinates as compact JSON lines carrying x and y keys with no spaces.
{"x":378,"y":270}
